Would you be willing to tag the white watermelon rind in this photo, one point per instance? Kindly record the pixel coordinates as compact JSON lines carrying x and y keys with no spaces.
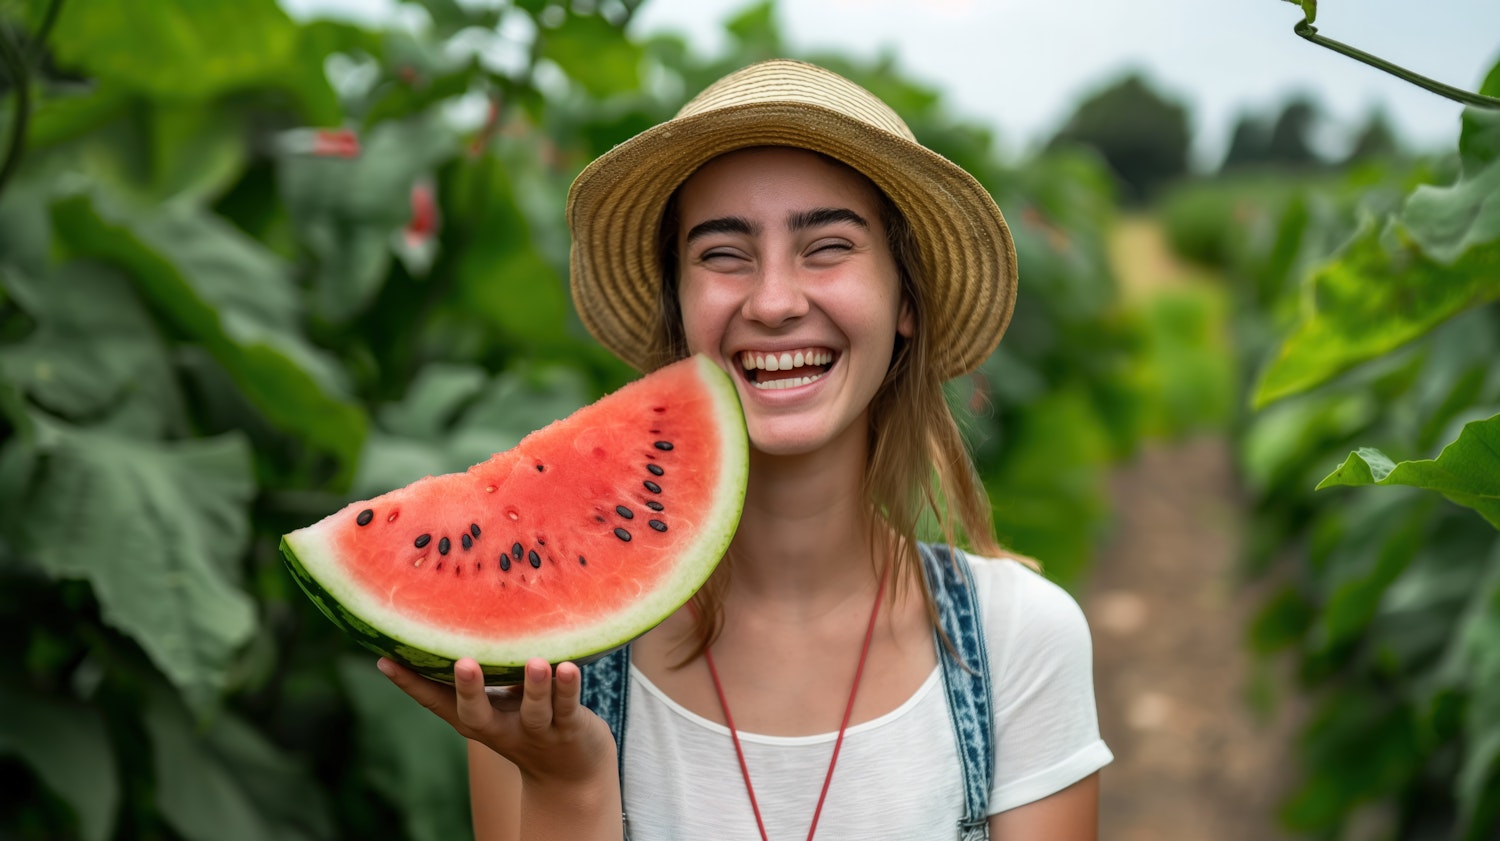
{"x":431,"y":652}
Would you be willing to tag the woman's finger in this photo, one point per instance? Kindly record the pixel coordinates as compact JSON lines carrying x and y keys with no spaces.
{"x":433,"y":695}
{"x":473,"y":705}
{"x":536,"y":700}
{"x":567,"y":690}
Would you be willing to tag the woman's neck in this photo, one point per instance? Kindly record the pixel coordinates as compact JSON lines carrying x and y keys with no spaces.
{"x":806,"y":528}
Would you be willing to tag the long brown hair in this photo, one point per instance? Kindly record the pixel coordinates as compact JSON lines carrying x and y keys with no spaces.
{"x":918,"y":465}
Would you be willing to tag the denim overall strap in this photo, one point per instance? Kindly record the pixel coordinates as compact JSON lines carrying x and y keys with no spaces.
{"x":966,"y":680}
{"x":606,"y":691}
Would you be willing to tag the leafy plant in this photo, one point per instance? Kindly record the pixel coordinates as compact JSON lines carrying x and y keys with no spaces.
{"x":252,"y":268}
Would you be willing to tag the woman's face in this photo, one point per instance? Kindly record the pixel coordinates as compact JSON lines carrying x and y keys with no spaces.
{"x":785,"y":278}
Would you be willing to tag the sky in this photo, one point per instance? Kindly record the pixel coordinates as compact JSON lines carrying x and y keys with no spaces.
{"x":1021,"y":66}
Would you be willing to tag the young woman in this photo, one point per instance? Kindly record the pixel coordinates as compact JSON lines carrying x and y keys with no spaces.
{"x":835,"y":678}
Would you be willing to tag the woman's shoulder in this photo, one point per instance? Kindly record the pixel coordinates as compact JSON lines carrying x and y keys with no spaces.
{"x":1022,"y":607}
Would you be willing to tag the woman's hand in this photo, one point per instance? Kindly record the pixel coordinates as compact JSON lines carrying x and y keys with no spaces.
{"x":540,"y":726}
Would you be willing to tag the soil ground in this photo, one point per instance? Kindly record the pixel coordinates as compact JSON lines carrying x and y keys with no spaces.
{"x":1193,"y":759}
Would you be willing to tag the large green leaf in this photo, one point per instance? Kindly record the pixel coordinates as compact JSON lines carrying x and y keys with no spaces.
{"x":66,"y":745}
{"x":1467,"y":471}
{"x":590,"y":50}
{"x":234,"y":297}
{"x":94,"y":345}
{"x":1384,"y":291}
{"x":1447,"y":222}
{"x":190,"y":51}
{"x":226,"y":783}
{"x":157,"y":530}
{"x":409,"y":755}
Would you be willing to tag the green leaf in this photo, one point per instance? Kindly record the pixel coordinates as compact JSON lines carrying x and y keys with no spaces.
{"x":409,"y":755}
{"x":65,"y":743}
{"x":1366,"y":550}
{"x":1447,"y":222}
{"x":189,"y":51}
{"x":94,"y":345}
{"x":1479,"y":138}
{"x":427,"y":436}
{"x":594,"y":53}
{"x":503,"y":277}
{"x":1481,"y":764}
{"x":1373,"y":298}
{"x":233,"y":296}
{"x":158,"y":531}
{"x":226,"y":783}
{"x":1467,"y":471}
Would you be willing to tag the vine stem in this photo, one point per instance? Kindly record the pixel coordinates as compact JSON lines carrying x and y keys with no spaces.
{"x":15,"y":67}
{"x":1310,"y":32}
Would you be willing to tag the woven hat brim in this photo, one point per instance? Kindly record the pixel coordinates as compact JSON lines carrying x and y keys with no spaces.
{"x":616,"y":204}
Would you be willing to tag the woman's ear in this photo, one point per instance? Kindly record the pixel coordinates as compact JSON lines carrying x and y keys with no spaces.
{"x":906,"y":319}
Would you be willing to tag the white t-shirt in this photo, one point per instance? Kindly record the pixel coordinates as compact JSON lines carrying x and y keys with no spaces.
{"x":898,"y":776}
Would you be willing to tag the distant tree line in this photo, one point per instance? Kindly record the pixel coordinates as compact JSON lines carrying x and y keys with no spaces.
{"x":1145,"y":136}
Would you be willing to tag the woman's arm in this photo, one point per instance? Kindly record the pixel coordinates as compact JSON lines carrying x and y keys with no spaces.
{"x":564,"y":755}
{"x":1069,"y":815}
{"x":494,"y":795}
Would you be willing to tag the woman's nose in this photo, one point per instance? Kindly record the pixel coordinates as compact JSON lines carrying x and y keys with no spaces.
{"x":777,"y":296}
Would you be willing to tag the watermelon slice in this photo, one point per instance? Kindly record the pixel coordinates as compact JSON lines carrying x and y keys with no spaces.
{"x":583,"y":537}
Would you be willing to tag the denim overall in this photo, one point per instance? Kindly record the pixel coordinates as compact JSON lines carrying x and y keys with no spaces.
{"x":966,"y":684}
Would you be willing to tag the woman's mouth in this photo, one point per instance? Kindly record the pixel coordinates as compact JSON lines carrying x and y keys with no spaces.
{"x":786,"y":368}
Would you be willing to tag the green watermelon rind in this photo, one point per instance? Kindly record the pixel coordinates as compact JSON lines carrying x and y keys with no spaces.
{"x":432,"y":652}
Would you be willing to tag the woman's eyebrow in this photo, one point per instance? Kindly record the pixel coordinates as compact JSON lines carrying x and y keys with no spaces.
{"x":802,"y":220}
{"x":721,"y":225}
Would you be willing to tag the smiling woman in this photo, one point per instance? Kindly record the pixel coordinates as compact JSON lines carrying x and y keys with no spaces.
{"x":835,"y":672}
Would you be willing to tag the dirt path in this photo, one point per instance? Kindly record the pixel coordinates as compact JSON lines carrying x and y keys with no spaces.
{"x":1192,"y":760}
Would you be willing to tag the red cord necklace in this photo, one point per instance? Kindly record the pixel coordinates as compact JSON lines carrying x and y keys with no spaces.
{"x":734,"y":735}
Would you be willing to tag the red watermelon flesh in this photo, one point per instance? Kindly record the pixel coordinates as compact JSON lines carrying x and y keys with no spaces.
{"x":585,"y":535}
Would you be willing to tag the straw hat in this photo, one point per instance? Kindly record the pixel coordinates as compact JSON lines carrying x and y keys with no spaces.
{"x":616,"y":204}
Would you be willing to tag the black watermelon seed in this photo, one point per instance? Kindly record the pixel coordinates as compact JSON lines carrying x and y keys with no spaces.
{"x":467,"y":541}
{"x":458,"y":569}
{"x":444,"y":546}
{"x":540,"y":468}
{"x":439,"y":567}
{"x":624,"y":512}
{"x":505,"y":563}
{"x":478,"y":565}
{"x":582,"y":560}
{"x":654,"y":505}
{"x":652,"y":486}
{"x":655,"y":469}
{"x":365,"y":517}
{"x":622,"y":534}
{"x":474,"y":530}
{"x":663,"y":445}
{"x":658,"y":525}
{"x":516,"y":551}
{"x":535,"y":559}
{"x":423,"y":540}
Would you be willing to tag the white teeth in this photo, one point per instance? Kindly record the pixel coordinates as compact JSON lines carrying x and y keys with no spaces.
{"x":784,"y":361}
{"x":790,"y":382}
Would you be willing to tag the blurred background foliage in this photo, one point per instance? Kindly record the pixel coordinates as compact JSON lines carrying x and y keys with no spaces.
{"x":252,"y":268}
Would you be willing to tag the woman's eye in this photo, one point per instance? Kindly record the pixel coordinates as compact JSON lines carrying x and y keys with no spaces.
{"x":831,"y":249}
